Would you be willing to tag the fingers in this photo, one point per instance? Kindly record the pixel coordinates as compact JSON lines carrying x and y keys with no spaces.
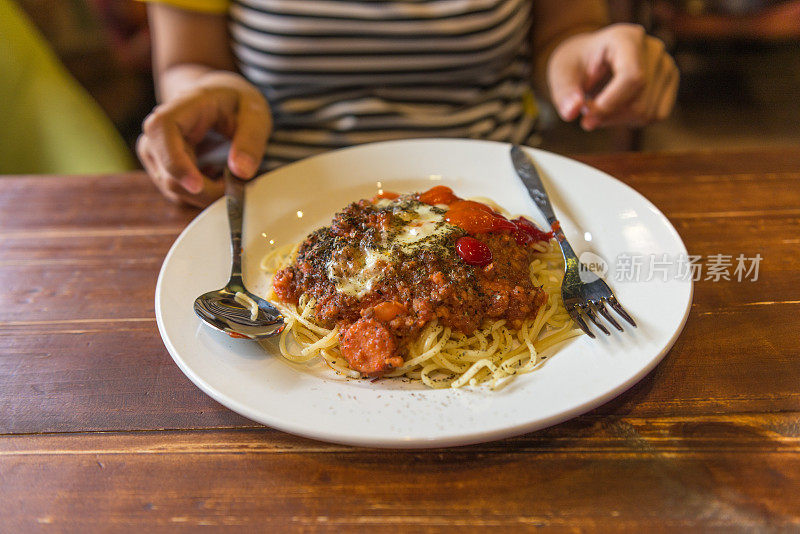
{"x":171,"y":188}
{"x":143,"y":150}
{"x":168,"y":148}
{"x":643,"y":85}
{"x":223,"y":102}
{"x":597,"y":73}
{"x":565,"y":77}
{"x":625,"y":55}
{"x":253,"y":125}
{"x":212,"y":190}
{"x":617,"y":75}
{"x":670,"y":93}
{"x":659,"y":84}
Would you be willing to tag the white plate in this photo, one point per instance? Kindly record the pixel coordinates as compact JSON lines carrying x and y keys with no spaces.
{"x":285,"y":205}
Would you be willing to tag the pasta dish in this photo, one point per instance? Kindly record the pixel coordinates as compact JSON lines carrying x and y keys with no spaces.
{"x":427,"y":286}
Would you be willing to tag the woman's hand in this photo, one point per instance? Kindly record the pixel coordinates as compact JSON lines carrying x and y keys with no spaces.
{"x":618,"y":75}
{"x":220,"y":101}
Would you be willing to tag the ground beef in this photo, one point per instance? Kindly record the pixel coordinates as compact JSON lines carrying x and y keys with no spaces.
{"x":424,"y":284}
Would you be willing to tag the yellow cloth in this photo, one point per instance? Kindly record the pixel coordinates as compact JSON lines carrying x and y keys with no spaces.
{"x":201,"y":6}
{"x":48,"y":123}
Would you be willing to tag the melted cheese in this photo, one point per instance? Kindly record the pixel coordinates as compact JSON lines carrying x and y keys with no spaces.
{"x":423,"y":227}
{"x":361,"y":281}
{"x":422,"y":224}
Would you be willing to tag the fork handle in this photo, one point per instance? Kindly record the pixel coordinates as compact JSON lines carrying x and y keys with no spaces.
{"x":533,"y":183}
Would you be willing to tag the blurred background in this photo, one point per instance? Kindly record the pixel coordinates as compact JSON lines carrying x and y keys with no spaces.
{"x":740,"y":77}
{"x":739,"y":61}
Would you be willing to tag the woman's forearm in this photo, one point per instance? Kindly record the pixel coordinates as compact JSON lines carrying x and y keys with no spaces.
{"x":186,"y":46}
{"x":179,"y":78}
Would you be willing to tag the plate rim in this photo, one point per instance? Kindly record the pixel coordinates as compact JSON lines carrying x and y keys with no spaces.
{"x":399,"y":442}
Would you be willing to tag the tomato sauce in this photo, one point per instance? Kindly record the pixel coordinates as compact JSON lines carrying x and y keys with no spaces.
{"x":477,"y":271}
{"x":385,"y":194}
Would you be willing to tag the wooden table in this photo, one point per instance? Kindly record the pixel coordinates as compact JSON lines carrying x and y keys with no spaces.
{"x":101,"y":431}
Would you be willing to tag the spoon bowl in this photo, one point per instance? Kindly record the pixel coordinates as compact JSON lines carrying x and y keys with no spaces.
{"x":221,"y":310}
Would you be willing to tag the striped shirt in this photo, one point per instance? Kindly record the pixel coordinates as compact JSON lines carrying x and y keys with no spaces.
{"x":344,"y":72}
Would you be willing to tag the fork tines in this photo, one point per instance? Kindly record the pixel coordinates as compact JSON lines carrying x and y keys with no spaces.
{"x":591,"y":309}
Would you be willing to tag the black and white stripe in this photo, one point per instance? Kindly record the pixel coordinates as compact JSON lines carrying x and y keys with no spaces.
{"x":343,"y":72}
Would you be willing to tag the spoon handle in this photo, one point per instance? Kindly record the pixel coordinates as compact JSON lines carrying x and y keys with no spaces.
{"x":234,"y":194}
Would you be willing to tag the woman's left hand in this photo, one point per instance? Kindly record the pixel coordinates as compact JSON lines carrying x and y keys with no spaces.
{"x":618,"y":75}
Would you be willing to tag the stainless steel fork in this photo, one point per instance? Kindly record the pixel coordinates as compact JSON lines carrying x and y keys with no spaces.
{"x":583,"y":292}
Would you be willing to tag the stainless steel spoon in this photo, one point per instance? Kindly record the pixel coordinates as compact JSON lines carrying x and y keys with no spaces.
{"x":220,"y":309}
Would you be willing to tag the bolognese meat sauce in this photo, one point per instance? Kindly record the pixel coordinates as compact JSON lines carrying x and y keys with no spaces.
{"x":386,"y":267}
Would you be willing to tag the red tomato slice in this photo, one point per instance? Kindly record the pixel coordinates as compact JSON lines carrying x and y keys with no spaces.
{"x":473,"y":252}
{"x":471,"y":205}
{"x":477,"y":218}
{"x":440,"y":194}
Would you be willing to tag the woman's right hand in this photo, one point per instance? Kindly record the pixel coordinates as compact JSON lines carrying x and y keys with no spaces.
{"x":220,"y":101}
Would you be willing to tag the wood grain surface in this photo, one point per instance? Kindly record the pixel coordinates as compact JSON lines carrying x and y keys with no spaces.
{"x":100,"y":431}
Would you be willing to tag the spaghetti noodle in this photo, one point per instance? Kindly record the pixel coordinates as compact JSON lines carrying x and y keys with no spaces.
{"x":439,"y":349}
{"x":249,"y":303}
